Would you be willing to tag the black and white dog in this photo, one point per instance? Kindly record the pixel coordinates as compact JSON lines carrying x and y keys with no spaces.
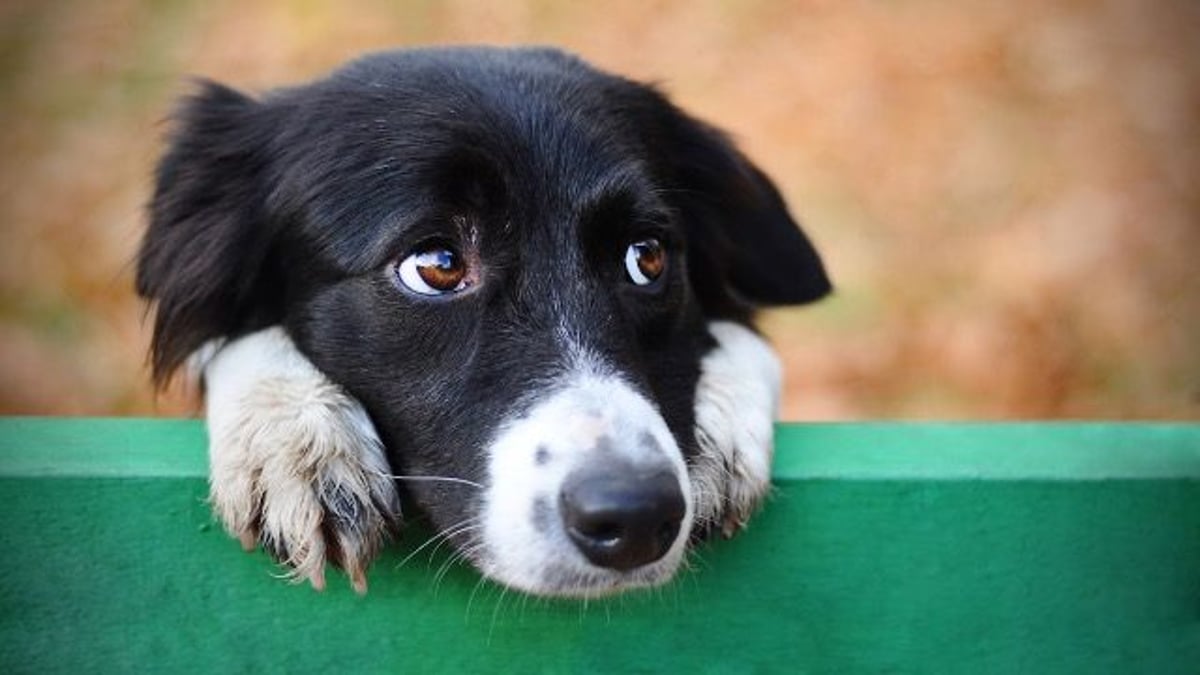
{"x":522,"y":284}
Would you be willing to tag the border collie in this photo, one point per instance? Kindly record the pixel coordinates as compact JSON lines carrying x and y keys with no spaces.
{"x":517,"y":286}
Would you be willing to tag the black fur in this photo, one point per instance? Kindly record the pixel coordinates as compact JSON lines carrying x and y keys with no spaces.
{"x":292,"y":209}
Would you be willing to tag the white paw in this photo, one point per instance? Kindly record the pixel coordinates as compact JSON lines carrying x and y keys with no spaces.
{"x":737,"y":400}
{"x":295,"y":462}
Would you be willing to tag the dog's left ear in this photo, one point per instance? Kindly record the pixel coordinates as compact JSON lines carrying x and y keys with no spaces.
{"x":204,"y":259}
{"x":744,"y":249}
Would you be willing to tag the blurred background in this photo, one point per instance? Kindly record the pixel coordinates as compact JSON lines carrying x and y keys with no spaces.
{"x":1006,"y":193}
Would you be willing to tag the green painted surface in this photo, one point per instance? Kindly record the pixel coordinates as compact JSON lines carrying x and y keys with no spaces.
{"x":886,"y":548}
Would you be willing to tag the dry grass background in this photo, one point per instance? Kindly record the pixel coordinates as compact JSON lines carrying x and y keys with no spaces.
{"x":1007,"y":193}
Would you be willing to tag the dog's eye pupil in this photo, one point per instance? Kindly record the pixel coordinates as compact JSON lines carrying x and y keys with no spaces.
{"x":433,"y":271}
{"x":645,"y":261}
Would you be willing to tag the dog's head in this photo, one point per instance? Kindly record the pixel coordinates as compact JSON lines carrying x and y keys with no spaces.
{"x":512,"y":260}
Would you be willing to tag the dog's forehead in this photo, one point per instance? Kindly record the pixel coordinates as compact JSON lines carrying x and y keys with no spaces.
{"x":381,"y":142}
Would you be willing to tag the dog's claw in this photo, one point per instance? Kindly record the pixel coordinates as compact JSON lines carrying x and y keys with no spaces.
{"x":248,"y":540}
{"x":354,"y":563}
{"x":731,"y":526}
{"x":359,"y":581}
{"x":317,"y":579}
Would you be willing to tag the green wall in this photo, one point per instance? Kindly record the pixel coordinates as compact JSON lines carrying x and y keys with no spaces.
{"x":886,"y":548}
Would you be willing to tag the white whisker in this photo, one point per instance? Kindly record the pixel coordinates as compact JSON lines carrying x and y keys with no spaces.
{"x":436,"y":479}
{"x":471,"y":600}
{"x":463,"y":526}
{"x":458,"y":557}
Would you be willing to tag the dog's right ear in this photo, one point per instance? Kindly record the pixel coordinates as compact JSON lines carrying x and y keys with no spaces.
{"x":203,"y":261}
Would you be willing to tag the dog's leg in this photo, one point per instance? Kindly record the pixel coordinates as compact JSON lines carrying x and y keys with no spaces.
{"x":295,"y":462}
{"x":737,"y":400}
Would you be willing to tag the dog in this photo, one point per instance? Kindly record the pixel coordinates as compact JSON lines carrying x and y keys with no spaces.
{"x":516,"y":288}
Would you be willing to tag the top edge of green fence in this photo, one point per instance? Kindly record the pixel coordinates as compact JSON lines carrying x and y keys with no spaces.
{"x":141,"y":448}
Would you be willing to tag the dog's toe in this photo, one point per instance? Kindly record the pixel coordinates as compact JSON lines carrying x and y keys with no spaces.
{"x":361,"y":509}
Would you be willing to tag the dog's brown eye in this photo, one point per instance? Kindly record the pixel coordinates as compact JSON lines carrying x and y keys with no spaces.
{"x":645,"y":261}
{"x":436,"y":270}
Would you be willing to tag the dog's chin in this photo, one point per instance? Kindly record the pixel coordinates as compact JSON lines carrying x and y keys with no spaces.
{"x":570,"y":579}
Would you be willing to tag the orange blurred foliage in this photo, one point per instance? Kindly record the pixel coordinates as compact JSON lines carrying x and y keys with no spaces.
{"x":1007,"y":193}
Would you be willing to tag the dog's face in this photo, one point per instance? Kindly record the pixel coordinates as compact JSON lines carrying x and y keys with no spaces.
{"x":512,"y":261}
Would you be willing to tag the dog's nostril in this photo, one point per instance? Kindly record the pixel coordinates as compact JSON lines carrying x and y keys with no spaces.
{"x":603,"y":533}
{"x":622,"y":519}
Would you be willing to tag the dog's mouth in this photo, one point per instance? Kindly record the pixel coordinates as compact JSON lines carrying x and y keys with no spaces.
{"x":587,"y":495}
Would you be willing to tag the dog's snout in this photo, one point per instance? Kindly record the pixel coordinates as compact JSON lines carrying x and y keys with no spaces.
{"x":621,"y":518}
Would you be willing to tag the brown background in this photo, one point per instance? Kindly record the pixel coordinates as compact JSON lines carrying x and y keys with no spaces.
{"x":1007,"y":193}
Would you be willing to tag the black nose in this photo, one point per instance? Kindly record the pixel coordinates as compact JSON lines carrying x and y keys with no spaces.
{"x":621,"y":518}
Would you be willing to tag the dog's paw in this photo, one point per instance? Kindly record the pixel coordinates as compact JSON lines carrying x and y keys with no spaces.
{"x":295,"y":462}
{"x":737,"y":400}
